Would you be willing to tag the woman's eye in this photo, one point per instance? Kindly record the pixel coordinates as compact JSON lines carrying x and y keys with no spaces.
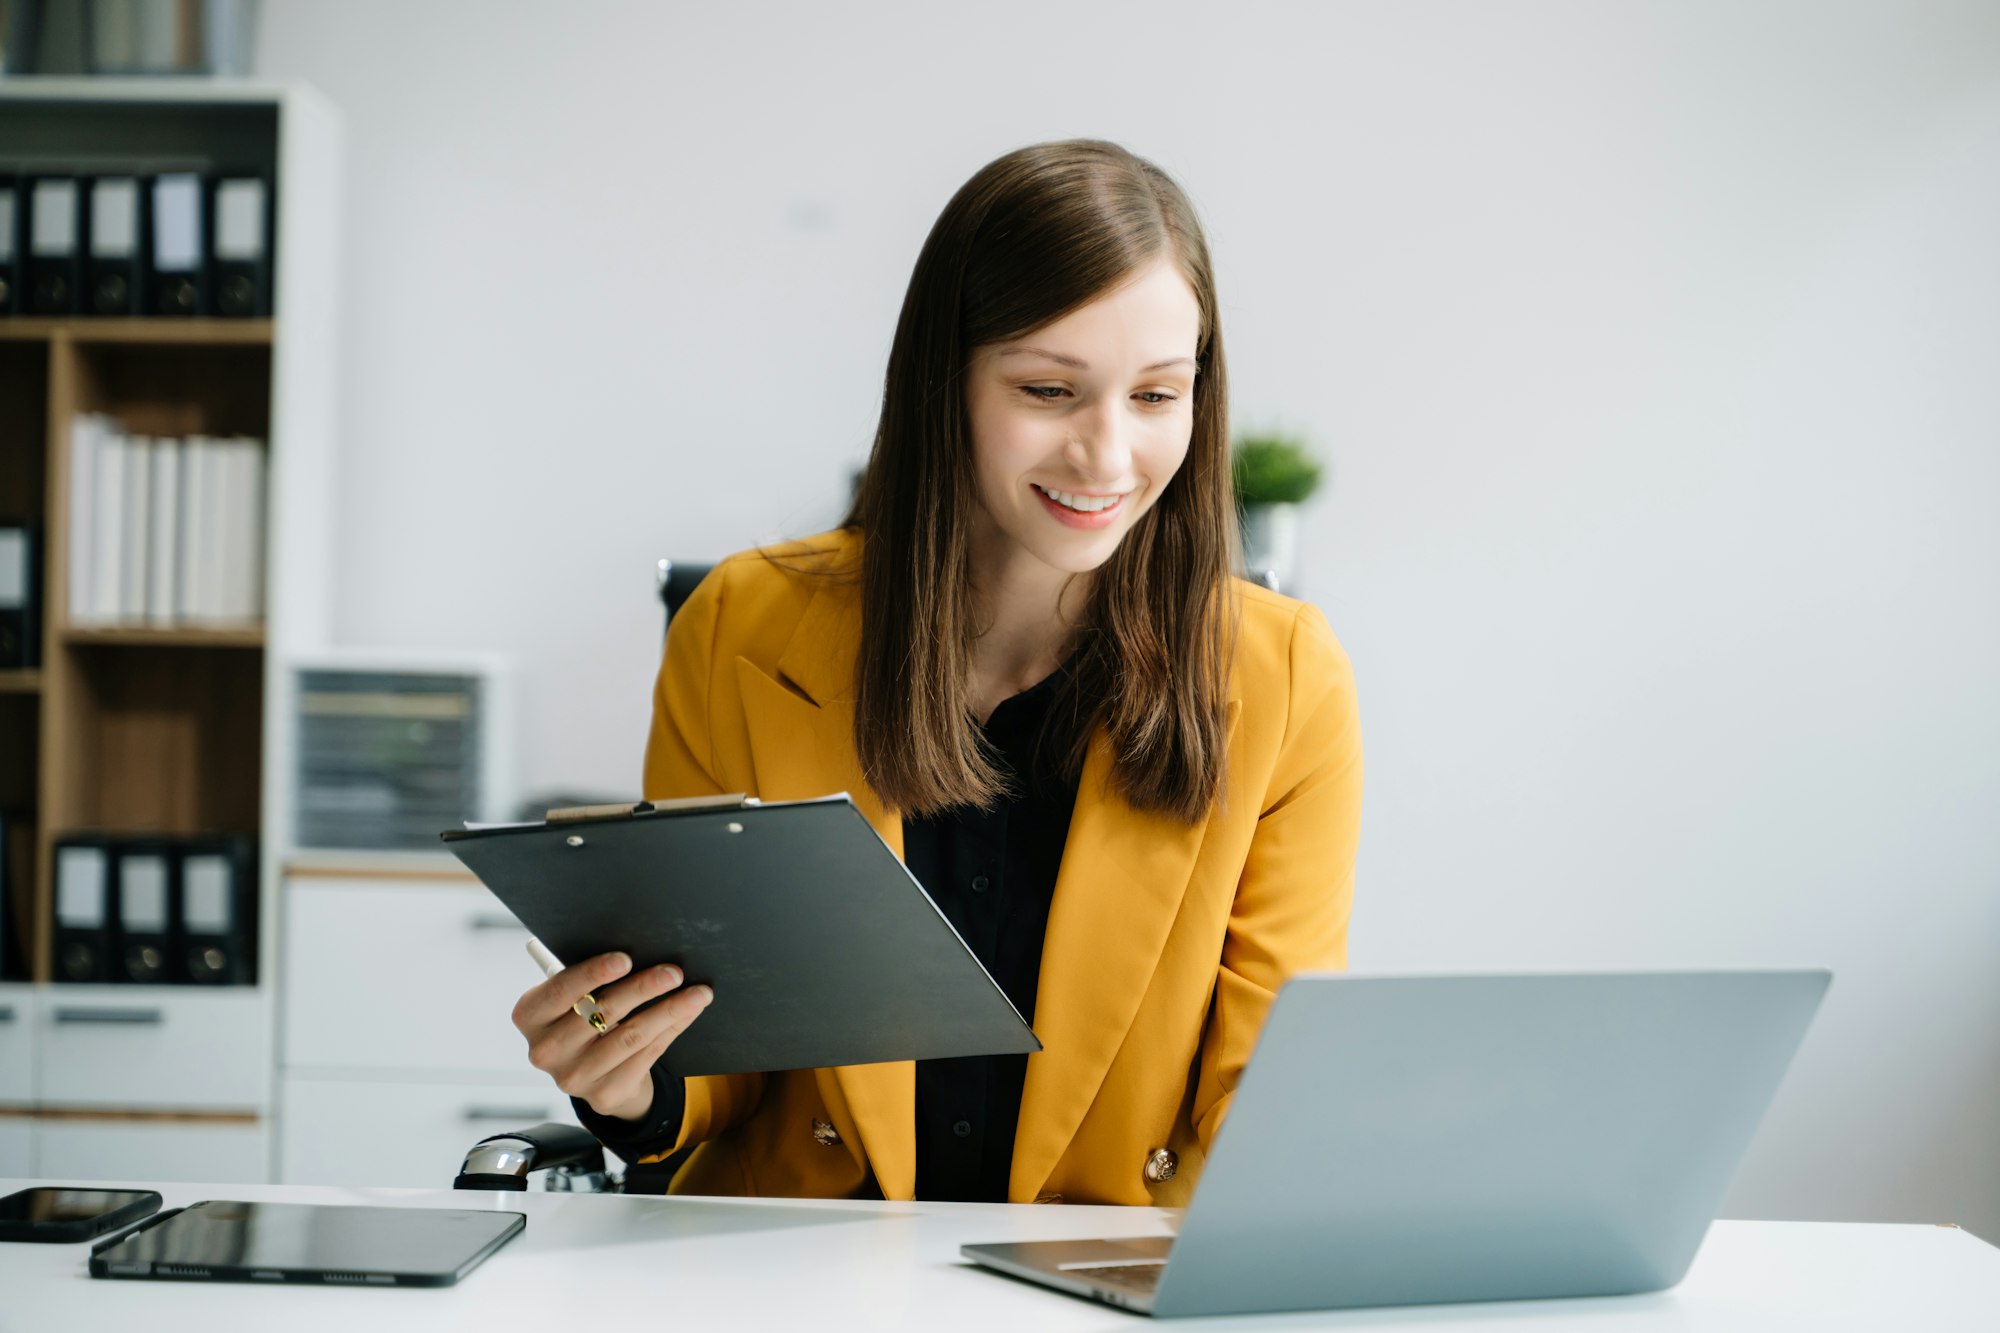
{"x":1046,"y":393}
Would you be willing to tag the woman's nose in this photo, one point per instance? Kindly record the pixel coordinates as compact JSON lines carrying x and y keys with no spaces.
{"x":1099,"y":449}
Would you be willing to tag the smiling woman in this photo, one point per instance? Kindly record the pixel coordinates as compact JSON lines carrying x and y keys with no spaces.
{"x":1079,"y":482}
{"x":1131,"y":781}
{"x":1091,"y":448}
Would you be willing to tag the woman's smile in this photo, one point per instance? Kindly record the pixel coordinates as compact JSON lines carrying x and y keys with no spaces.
{"x":1076,"y":509}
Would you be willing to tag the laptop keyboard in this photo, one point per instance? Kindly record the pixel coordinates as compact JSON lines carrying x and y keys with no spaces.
{"x":1131,"y":1277}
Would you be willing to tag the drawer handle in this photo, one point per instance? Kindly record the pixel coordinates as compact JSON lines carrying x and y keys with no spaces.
{"x":513,"y":1115}
{"x":117,"y":1017}
{"x":493,"y":921}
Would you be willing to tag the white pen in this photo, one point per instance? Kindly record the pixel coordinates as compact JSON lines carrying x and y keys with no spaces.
{"x":586,"y":1008}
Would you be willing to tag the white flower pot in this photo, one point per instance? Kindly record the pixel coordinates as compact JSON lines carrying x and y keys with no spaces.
{"x":1271,"y":540}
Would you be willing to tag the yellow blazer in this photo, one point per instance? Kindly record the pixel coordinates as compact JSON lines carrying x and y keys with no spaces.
{"x":1166,"y":942}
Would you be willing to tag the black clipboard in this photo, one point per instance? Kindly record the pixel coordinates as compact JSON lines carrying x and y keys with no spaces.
{"x":821,"y":947}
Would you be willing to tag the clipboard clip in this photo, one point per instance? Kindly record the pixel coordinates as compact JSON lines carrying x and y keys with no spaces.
{"x":578,"y":813}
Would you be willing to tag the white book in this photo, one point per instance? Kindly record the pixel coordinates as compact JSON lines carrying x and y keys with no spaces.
{"x":163,"y":575}
{"x":215,"y":553}
{"x":196,"y":528}
{"x":107,"y":554}
{"x":83,"y":433}
{"x":208,"y":548}
{"x":228,"y":458}
{"x":138,"y":538}
{"x":249,"y":581}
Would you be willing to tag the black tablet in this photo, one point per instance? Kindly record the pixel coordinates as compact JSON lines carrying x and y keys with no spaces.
{"x":324,"y":1244}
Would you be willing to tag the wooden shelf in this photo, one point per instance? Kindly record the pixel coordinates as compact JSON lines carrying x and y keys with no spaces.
{"x":144,"y":332}
{"x":141,"y":637}
{"x":153,"y":739}
{"x":20,"y":682}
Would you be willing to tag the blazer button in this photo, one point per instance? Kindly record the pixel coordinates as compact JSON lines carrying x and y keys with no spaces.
{"x":824,"y":1134}
{"x":1161,"y":1165}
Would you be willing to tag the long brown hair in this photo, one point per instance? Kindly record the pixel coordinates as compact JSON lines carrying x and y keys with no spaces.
{"x":1033,"y":236}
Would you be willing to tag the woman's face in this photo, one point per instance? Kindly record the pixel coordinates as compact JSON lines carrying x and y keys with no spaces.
{"x":1078,"y":426}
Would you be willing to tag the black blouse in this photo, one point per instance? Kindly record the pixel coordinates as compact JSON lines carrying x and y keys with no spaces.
{"x":992,"y":872}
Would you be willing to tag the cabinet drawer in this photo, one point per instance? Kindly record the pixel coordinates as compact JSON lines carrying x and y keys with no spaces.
{"x":151,"y":1150}
{"x":17,"y":1147}
{"x":18,"y":1029}
{"x":167,"y":1047}
{"x":342,"y":1132}
{"x":401,"y":976}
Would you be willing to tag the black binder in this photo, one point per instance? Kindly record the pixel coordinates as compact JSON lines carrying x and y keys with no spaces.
{"x":240,"y":247}
{"x":179,"y":281}
{"x":54,"y":231}
{"x":821,"y":948}
{"x":20,"y":596}
{"x":13,"y":242}
{"x":217,"y":895}
{"x":86,"y":897}
{"x":17,"y":858}
{"x":148,"y":912}
{"x":114,"y":266}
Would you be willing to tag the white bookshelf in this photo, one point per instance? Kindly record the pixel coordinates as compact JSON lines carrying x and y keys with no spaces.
{"x":173,"y":731}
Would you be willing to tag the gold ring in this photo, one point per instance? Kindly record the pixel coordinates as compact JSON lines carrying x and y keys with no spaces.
{"x":587,"y":1010}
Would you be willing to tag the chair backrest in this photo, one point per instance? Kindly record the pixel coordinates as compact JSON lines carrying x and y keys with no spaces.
{"x":676,"y":580}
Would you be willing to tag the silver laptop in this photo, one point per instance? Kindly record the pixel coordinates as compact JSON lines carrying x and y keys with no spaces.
{"x":1414,"y":1140}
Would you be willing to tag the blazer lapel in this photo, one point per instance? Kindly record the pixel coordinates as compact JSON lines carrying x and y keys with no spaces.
{"x":801,"y":727}
{"x":1124,"y":872}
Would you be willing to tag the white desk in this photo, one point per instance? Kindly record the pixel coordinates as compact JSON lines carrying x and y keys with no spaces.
{"x":613,"y":1261}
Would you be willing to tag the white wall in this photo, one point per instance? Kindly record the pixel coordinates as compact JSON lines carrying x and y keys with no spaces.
{"x":1652,"y":346}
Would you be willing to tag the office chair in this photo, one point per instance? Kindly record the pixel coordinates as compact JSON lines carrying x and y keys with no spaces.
{"x":676,"y":579}
{"x":573,"y":1159}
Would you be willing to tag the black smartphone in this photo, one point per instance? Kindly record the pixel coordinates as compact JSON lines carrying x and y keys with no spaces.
{"x":59,"y":1213}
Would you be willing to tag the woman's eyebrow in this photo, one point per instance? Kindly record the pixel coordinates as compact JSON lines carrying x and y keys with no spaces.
{"x":1061,"y":359}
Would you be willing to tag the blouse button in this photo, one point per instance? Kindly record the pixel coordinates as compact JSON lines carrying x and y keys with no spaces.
{"x":1161,"y":1164}
{"x":980,"y":883}
{"x":824,"y":1134}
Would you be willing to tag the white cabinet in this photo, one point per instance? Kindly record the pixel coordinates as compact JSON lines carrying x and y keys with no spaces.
{"x":158,"y":1047}
{"x":367,"y":1132}
{"x":402,"y":975}
{"x":399,"y":1050}
{"x":18,"y":1031}
{"x":215,"y":1153}
{"x":17,"y":1147}
{"x":135,"y":1083}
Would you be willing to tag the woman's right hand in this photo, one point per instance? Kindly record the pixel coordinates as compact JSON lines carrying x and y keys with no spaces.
{"x":612,"y":1071}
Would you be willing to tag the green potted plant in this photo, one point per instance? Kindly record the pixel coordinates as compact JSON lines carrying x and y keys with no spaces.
{"x":1273,"y":474}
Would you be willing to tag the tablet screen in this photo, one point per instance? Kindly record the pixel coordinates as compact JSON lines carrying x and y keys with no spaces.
{"x":300,"y":1242}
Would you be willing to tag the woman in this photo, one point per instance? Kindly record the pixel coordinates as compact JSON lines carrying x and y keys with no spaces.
{"x":1132,"y":781}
